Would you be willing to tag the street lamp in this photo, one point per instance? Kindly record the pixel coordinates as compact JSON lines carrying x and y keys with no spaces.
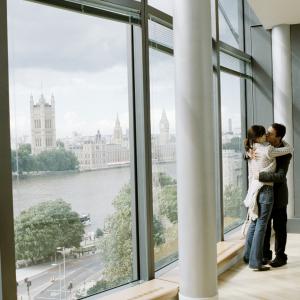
{"x":55,"y":264}
{"x":62,"y":251}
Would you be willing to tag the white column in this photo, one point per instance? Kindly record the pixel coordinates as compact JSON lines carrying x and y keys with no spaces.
{"x":283,"y":96}
{"x":195,"y":150}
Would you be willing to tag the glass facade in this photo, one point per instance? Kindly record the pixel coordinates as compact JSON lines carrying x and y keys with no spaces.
{"x":70,"y":152}
{"x":232,"y":150}
{"x":233,"y":63}
{"x":231,"y":25}
{"x":74,"y":92}
{"x":160,"y":34}
{"x":163,"y":140}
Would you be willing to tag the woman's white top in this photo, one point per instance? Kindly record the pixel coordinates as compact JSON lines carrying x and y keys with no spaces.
{"x":265,"y":161}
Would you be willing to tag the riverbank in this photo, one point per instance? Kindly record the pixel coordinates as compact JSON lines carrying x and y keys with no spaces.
{"x":54,"y":173}
{"x":25,"y":175}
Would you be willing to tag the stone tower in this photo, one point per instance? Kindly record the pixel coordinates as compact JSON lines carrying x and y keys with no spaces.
{"x":118,"y":135}
{"x":43,"y":131}
{"x":164,"y":129}
{"x":230,"y":126}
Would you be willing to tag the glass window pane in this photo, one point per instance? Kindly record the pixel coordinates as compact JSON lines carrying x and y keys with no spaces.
{"x":70,"y":152}
{"x":163,"y":158}
{"x":160,"y":34}
{"x":231,"y":22}
{"x":232,"y":149}
{"x":233,"y":63}
{"x":163,"y":5}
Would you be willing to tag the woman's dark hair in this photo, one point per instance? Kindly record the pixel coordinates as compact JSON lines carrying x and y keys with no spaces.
{"x":254,"y":132}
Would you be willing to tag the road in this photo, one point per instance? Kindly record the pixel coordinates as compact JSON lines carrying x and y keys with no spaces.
{"x":78,"y":271}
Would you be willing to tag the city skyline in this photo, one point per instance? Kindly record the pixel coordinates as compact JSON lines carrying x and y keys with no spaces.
{"x":89,"y":89}
{"x":77,"y":126}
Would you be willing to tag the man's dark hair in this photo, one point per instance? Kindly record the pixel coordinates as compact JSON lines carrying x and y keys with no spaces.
{"x":280,"y":130}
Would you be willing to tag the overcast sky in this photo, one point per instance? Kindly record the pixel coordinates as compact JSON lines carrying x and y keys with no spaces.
{"x":82,"y":61}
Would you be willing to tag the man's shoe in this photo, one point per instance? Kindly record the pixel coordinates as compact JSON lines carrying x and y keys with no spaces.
{"x":246,"y":260}
{"x":278,"y":262}
{"x":261,"y":268}
{"x":266,"y":261}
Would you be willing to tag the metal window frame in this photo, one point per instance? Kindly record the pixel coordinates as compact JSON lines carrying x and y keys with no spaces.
{"x":133,"y":157}
{"x":246,"y":61}
{"x":160,"y":47}
{"x":141,"y":92}
{"x":234,"y":52}
{"x":7,"y":251}
{"x":127,"y":11}
{"x":160,"y":17}
{"x":236,"y":35}
{"x":218,"y":124}
{"x":137,"y":14}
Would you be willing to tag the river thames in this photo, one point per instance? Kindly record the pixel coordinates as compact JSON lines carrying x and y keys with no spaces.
{"x":87,"y":192}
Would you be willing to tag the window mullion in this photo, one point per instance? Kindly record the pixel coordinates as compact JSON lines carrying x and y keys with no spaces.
{"x":8,"y":289}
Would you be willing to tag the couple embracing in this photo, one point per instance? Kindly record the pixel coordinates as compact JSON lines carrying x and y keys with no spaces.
{"x":267,"y":197}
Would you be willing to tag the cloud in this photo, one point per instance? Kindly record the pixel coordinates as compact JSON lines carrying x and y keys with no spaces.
{"x":82,"y":60}
{"x":41,"y":36}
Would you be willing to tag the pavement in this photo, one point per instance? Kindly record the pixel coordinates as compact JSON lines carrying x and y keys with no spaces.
{"x":48,"y":281}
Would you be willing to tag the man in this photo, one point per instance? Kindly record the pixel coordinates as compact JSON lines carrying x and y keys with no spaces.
{"x":275,"y":134}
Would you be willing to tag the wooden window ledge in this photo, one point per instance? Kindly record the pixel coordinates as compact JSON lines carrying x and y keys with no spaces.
{"x":166,"y":287}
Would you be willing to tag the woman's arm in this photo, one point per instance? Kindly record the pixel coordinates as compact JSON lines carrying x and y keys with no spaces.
{"x":250,"y":172}
{"x":275,"y":152}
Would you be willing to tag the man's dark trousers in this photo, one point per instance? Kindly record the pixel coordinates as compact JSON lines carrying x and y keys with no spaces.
{"x":279,"y":211}
{"x":279,"y":217}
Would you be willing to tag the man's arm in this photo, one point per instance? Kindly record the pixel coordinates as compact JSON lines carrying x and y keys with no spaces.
{"x":280,"y":175}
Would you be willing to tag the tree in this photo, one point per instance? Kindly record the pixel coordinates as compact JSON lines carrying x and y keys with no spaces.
{"x":116,"y":245}
{"x":232,"y":201}
{"x":51,"y":160}
{"x":60,"y":144}
{"x":56,"y":160}
{"x":100,"y":286}
{"x":167,"y":196}
{"x":99,"y":233}
{"x":168,"y":202}
{"x":158,"y":231}
{"x":165,"y":179}
{"x":23,"y":157}
{"x":44,"y":227}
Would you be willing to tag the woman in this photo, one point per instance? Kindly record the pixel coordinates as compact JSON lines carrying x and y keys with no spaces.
{"x":259,"y":199}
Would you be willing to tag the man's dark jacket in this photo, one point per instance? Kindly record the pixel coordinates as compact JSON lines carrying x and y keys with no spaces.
{"x":279,"y":178}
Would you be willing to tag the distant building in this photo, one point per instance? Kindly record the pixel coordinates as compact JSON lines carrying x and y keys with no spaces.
{"x":118,"y":135}
{"x":163,"y":146}
{"x":164,"y":129}
{"x":90,"y":152}
{"x":230,"y":126}
{"x":97,"y":152}
{"x":43,"y":132}
{"x":232,"y":168}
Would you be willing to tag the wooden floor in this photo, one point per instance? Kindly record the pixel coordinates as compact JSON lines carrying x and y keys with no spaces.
{"x":241,"y":283}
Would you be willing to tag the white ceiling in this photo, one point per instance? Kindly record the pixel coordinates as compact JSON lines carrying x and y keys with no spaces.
{"x":276,"y":12}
